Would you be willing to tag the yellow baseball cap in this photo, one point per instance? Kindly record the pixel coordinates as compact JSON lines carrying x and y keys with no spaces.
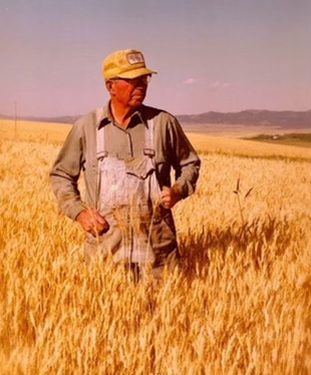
{"x":128,"y":63}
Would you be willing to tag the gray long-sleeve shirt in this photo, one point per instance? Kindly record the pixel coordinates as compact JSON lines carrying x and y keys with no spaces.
{"x":173,"y":150}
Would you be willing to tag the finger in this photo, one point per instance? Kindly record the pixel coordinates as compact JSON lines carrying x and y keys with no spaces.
{"x":97,"y":217}
{"x":92,"y":232}
{"x":93,"y":223}
{"x":166,"y":197}
{"x":103,"y":230}
{"x":101,"y":220}
{"x":166,"y":203}
{"x":101,"y":227}
{"x":166,"y":194}
{"x":90,"y":227}
{"x":96,"y":229}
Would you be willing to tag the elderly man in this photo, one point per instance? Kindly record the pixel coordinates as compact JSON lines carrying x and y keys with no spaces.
{"x":126,"y":151}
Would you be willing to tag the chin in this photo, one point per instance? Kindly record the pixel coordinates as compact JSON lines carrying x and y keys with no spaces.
{"x":137,"y":102}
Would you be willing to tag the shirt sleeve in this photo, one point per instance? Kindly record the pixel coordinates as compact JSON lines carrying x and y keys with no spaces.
{"x":185,"y":160}
{"x":66,"y":171}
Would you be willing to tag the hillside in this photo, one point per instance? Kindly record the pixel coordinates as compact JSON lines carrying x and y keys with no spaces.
{"x":282,"y":119}
{"x":262,"y":118}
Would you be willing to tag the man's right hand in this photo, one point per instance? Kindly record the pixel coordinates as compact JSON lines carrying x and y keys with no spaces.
{"x":92,"y":222}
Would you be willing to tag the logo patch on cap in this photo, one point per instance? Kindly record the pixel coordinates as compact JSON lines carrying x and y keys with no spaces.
{"x":135,"y":57}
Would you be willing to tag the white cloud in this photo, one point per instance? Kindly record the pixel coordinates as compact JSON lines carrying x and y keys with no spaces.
{"x":189,"y":81}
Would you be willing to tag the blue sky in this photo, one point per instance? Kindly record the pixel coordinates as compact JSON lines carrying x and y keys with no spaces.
{"x":210,"y":55}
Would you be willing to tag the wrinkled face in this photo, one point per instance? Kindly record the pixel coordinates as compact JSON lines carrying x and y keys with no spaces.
{"x":130,"y":93}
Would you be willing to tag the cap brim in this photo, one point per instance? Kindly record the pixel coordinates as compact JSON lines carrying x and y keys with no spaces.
{"x":136,"y":73}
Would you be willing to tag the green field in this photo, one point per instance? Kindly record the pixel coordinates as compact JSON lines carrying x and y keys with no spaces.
{"x":291,"y":139}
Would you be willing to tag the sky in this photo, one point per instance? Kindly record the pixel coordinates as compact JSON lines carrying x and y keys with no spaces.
{"x":210,"y":55}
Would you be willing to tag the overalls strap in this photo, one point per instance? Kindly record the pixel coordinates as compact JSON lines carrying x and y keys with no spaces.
{"x":149,"y":139}
{"x":100,"y":144}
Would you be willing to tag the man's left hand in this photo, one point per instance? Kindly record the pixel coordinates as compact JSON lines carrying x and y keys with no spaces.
{"x":170,"y":196}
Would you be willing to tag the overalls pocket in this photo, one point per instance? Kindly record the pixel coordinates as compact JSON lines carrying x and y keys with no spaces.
{"x":112,"y":186}
{"x":163,"y":238}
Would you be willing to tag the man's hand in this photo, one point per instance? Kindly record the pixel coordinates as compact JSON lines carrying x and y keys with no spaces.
{"x":91,"y":221}
{"x":170,"y":196}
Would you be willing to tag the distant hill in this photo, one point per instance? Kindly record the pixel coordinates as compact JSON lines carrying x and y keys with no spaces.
{"x":60,"y":119}
{"x":281,"y":119}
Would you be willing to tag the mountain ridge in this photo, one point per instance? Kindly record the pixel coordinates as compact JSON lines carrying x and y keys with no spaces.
{"x":284,"y":119}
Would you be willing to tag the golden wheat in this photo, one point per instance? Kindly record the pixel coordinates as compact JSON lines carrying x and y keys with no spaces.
{"x":234,"y":146}
{"x":33,"y":131}
{"x":240,"y":305}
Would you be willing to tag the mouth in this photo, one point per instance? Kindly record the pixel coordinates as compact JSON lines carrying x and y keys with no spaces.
{"x":138,"y":94}
{"x":139,"y":91}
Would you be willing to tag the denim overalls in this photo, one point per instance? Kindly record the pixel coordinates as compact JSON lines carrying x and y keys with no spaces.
{"x":141,"y":232}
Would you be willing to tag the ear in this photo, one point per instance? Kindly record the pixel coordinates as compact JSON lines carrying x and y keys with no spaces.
{"x":109,"y":86}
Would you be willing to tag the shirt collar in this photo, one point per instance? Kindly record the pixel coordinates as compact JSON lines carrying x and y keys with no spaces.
{"x":106,"y":116}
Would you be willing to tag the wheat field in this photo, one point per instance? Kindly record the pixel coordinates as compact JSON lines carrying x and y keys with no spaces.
{"x":241,"y":304}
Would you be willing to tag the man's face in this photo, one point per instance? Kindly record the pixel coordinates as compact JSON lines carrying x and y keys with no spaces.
{"x":128,"y":92}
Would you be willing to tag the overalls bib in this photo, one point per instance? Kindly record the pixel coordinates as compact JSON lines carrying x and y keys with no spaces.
{"x":128,"y":193}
